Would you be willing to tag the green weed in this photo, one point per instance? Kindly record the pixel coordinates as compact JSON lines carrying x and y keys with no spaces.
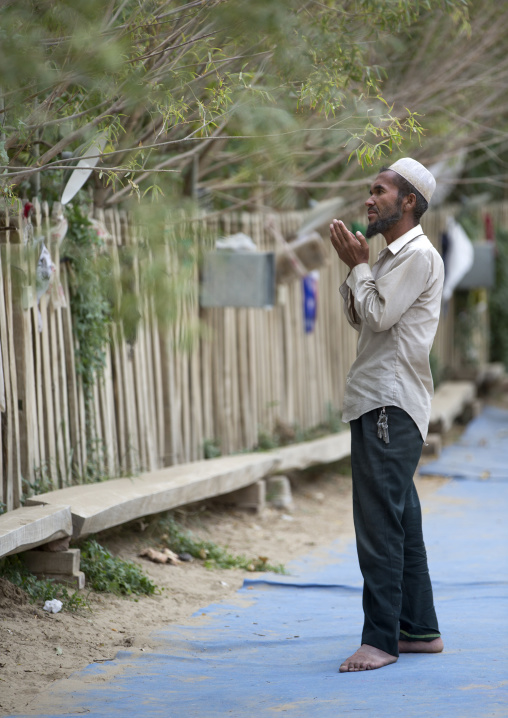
{"x":211,"y":449}
{"x":109,"y":574}
{"x":213,"y":555}
{"x":39,"y":590}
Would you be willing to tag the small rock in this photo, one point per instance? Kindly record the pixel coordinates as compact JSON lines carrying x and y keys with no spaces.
{"x":278,"y":490}
{"x":185,"y":556}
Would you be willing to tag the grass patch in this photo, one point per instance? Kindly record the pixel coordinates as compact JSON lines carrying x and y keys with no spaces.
{"x":213,"y":555}
{"x":106,"y":573}
{"x":14,"y":570}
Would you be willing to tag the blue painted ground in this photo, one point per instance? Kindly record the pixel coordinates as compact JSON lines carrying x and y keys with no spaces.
{"x":481,"y":453}
{"x":277,"y":650}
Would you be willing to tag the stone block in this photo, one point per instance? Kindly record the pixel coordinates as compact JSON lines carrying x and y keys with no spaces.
{"x":47,"y":562}
{"x":278,"y":492}
{"x":75,"y":580}
{"x":251,"y":497}
{"x":58,"y":566}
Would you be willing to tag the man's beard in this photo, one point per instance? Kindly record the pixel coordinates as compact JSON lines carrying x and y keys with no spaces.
{"x":381,"y":224}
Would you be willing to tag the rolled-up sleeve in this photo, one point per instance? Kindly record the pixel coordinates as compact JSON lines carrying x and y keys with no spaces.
{"x":381,"y":302}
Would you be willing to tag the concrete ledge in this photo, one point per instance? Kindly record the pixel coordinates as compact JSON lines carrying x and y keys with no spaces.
{"x":96,"y":507}
{"x":449,"y":403}
{"x":309,"y":453}
{"x":30,"y":526}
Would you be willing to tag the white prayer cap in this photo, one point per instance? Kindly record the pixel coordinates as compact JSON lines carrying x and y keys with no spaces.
{"x":416,"y":174}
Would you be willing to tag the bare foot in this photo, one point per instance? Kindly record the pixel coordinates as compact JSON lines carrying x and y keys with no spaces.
{"x":435,"y":646}
{"x":367,"y":658}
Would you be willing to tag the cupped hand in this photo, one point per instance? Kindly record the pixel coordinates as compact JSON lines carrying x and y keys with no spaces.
{"x":352,"y":249}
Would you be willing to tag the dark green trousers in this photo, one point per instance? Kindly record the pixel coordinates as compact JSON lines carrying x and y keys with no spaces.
{"x":397,"y":592}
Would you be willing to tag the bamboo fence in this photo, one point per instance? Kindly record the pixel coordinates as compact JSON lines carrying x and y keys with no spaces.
{"x":157,"y":403}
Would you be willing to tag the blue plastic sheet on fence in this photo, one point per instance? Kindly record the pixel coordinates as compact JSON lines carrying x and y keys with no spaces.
{"x":276,"y":649}
{"x":482,"y":452}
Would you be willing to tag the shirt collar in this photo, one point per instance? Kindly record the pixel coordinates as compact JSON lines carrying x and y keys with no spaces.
{"x":400,"y":242}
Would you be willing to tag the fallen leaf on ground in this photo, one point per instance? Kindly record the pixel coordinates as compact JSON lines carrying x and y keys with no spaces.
{"x":172,"y":557}
{"x":164,"y":556}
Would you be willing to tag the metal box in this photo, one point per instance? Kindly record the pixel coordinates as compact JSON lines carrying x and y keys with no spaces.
{"x":482,"y":273}
{"x":238,"y":279}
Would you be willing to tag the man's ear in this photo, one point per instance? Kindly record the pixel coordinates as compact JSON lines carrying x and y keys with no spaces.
{"x":410,"y":202}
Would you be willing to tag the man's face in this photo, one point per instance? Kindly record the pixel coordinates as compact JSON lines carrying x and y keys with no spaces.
{"x":384,"y":207}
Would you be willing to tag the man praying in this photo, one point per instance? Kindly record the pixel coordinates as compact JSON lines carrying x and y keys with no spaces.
{"x":395,"y":309}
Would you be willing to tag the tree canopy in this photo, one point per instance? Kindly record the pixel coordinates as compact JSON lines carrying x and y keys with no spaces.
{"x":213,"y":98}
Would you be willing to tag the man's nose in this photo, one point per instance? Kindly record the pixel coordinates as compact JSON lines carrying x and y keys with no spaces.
{"x":370,"y":202}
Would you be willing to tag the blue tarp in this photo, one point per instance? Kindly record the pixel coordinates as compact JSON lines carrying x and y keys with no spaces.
{"x":481,"y":453}
{"x":277,"y":648}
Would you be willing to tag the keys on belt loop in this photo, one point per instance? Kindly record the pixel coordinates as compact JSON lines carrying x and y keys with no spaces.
{"x":382,"y":426}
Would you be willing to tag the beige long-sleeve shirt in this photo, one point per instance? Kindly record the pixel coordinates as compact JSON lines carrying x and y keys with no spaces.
{"x":396,"y":312}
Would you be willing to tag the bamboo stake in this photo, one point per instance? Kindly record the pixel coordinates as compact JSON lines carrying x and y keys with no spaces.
{"x":119,"y":409}
{"x":195,"y":370}
{"x":14,"y":495}
{"x":217,"y":377}
{"x":52,"y":306}
{"x":131,"y":438}
{"x":166,"y":342}
{"x":157,"y":386}
{"x":8,"y":473}
{"x":77,"y":459}
{"x":206,"y":375}
{"x":47,"y":396}
{"x":107,"y":417}
{"x":22,"y":292}
{"x":96,"y":458}
{"x":57,"y":401}
{"x":65,"y":406}
{"x":207,"y":343}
